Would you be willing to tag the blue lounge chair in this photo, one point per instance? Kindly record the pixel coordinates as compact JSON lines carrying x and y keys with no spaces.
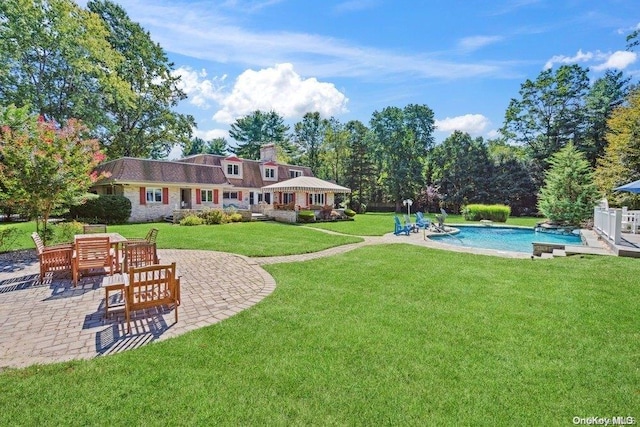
{"x":421,"y":221}
{"x":400,"y":229}
{"x":412,"y":225}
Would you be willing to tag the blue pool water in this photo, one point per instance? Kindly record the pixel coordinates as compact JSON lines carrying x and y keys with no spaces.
{"x":504,"y":239}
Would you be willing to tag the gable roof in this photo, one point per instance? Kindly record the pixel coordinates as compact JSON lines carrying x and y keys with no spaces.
{"x":129,"y":169}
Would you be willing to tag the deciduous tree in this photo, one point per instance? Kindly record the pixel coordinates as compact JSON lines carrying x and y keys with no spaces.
{"x":45,"y":168}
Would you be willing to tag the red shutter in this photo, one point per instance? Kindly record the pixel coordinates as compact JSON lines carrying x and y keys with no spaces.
{"x":143,"y":196}
{"x":165,"y":196}
{"x":215,"y":196}
{"x":294,"y":198}
{"x":308,"y":197}
{"x":326,"y":198}
{"x":198,"y":199}
{"x":240,"y":195}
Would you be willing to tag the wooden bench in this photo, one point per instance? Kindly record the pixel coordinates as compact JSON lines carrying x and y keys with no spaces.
{"x":152,"y":286}
{"x":53,"y":258}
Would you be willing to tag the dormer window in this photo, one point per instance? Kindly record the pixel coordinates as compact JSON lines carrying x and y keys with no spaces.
{"x":293,"y":173}
{"x":269,"y":173}
{"x":232,"y":167}
{"x":233,"y":170}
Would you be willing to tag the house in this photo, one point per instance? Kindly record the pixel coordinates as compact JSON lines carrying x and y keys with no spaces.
{"x":157,"y":188}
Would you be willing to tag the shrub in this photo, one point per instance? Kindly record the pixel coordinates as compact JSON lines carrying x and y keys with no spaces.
{"x":191,"y":220}
{"x":350,"y":213}
{"x":497,"y":213}
{"x":64,"y":231}
{"x":106,"y":209}
{"x":235,"y":217}
{"x":214,"y":216}
{"x":306,"y":216}
{"x":7,"y":237}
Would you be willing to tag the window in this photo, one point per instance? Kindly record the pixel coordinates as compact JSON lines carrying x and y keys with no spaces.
{"x":316,"y":199}
{"x":206,"y":196}
{"x":230,"y":195}
{"x":294,"y":173}
{"x":288,"y":198}
{"x":233,"y":170}
{"x":108,"y":190}
{"x":154,"y":195}
{"x":269,"y":173}
{"x":267,"y":198}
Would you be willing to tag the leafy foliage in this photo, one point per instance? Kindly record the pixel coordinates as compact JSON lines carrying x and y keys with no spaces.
{"x":621,"y":161}
{"x":257,"y":129}
{"x":569,"y":194}
{"x":105,"y":209}
{"x":477,"y":212}
{"x":44,"y":169}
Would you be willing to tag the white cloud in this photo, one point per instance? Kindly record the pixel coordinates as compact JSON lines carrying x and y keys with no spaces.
{"x":620,"y":60}
{"x":208,"y":135}
{"x":209,"y":32}
{"x":280,"y":89}
{"x":477,"y":42}
{"x":198,"y":88}
{"x":562,"y":59}
{"x":473,"y":124}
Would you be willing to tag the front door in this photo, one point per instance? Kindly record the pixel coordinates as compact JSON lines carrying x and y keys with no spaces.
{"x":185,"y":198}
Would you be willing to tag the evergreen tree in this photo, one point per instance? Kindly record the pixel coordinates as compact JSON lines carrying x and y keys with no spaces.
{"x":569,"y":193}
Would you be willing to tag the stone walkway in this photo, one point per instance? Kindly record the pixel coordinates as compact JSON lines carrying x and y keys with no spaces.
{"x":52,"y":321}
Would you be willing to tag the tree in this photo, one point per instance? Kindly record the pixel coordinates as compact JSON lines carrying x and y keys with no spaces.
{"x":403,"y":138}
{"x":569,"y":193}
{"x":256,"y":129}
{"x":146,"y":127}
{"x":308,"y":136}
{"x":549,"y":114}
{"x":512,"y":183}
{"x":462,"y":171}
{"x":621,"y":161}
{"x":55,"y":58}
{"x":45,"y":168}
{"x":359,"y":167}
{"x":606,"y":93}
{"x":335,"y":150}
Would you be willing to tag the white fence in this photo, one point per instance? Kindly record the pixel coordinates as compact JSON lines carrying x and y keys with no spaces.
{"x":608,"y":223}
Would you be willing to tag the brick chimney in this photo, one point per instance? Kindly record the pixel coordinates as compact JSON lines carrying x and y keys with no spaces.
{"x":268,"y":153}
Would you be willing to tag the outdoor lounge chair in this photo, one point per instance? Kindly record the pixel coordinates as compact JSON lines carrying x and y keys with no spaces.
{"x":412,"y":225}
{"x":399,"y":228}
{"x":152,"y":286}
{"x":422,"y":222}
{"x":52,"y":258}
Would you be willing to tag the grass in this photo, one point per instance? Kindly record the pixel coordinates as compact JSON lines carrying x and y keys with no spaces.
{"x":245,"y":238}
{"x":437,"y":338}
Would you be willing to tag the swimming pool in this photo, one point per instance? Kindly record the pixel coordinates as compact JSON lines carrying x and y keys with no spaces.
{"x":503,"y":238}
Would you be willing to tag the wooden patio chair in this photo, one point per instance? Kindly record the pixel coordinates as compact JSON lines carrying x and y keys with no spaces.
{"x":92,"y":253}
{"x":152,"y":286}
{"x":151,"y":237}
{"x":139,"y":254}
{"x":54,"y":257}
{"x":94,"y":228}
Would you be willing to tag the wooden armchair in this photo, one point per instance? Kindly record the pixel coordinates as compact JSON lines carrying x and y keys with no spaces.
{"x":90,"y":253}
{"x":152,"y":286}
{"x":151,"y":237}
{"x":139,"y":254}
{"x":54,"y":257}
{"x":94,"y":228}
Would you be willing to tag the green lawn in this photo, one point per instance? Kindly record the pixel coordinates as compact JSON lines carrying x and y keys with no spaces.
{"x":245,"y":238}
{"x":383,"y":335}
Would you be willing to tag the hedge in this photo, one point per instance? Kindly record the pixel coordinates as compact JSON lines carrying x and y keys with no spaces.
{"x":497,"y":213}
{"x":106,"y":209}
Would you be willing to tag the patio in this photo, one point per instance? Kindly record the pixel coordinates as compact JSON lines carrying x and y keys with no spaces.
{"x":53,"y":321}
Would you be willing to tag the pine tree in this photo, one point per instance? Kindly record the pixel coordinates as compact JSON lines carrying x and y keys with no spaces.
{"x":569,"y":193}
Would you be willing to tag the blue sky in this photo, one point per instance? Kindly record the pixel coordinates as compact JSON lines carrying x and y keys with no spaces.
{"x":347,"y":59}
